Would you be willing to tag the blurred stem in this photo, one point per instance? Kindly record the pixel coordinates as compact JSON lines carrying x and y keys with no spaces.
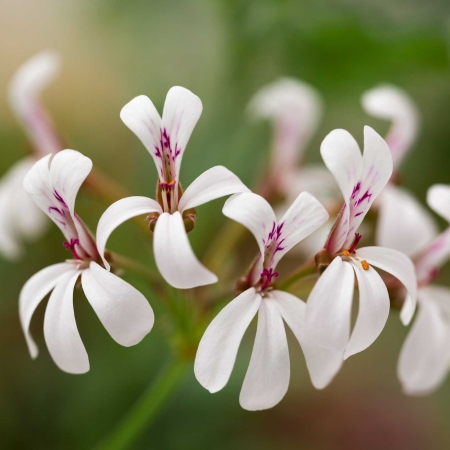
{"x":223,"y":244}
{"x":147,"y":407}
{"x":107,"y":189}
{"x":127,"y":263}
{"x":307,"y":269}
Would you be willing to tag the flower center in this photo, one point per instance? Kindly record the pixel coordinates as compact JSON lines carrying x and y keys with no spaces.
{"x":81,"y":253}
{"x":266,"y":277}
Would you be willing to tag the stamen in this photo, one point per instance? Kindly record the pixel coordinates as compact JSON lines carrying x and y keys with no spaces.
{"x":365,"y":264}
{"x":71,"y":246}
{"x":268,"y":274}
{"x":345,"y":252}
{"x":355,"y":243}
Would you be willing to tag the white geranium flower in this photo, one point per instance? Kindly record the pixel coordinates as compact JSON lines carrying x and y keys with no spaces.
{"x":425,"y":357}
{"x":361,"y":179}
{"x":392,"y":103}
{"x":267,"y":377}
{"x":166,"y":139}
{"x":20,"y":219}
{"x":53,"y":184}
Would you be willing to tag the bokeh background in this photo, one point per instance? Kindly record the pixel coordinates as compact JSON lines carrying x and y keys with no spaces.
{"x":223,"y":51}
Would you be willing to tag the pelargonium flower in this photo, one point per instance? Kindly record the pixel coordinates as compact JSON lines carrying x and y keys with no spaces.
{"x":173,"y":210}
{"x":392,"y":103}
{"x":361,"y":179}
{"x":425,"y":357}
{"x":267,"y":377}
{"x":20,"y":219}
{"x":295,"y":109}
{"x":53,"y":184}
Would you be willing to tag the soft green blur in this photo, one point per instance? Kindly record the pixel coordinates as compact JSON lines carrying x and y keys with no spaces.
{"x":223,"y":51}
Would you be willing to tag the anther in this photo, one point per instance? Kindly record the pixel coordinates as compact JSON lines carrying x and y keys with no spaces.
{"x":365,"y":264}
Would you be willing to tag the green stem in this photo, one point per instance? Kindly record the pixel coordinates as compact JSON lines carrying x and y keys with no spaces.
{"x":309,"y":268}
{"x":147,"y":407}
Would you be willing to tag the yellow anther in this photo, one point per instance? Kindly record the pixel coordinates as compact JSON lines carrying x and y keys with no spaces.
{"x":346,"y":253}
{"x":172,"y":183}
{"x":365,"y":264}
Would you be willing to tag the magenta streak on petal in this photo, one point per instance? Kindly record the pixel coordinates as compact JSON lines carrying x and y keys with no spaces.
{"x":355,"y":190}
{"x":60,"y":199}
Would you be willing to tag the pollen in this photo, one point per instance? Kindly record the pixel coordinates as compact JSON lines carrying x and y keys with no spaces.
{"x":365,"y":264}
{"x":172,"y":183}
{"x":346,"y":253}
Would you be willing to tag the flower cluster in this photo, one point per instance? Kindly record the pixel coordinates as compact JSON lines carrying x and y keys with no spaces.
{"x":406,"y":245}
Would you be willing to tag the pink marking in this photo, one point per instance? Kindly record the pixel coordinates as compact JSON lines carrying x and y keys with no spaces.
{"x":268,"y":275}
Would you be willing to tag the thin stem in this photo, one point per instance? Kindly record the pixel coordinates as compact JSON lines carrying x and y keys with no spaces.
{"x":147,"y":407}
{"x":309,"y":268}
{"x":127,"y":263}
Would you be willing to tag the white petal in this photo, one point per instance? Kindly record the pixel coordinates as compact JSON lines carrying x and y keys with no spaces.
{"x":328,"y":308}
{"x":322,"y":364}
{"x":377,"y":169}
{"x":398,"y":265}
{"x":214,"y":183}
{"x":32,"y":293}
{"x":122,"y":309}
{"x":373,"y":311}
{"x":425,"y":356}
{"x":24,"y":90}
{"x":142,"y":118}
{"x":20,"y":218}
{"x":174,"y":256}
{"x":267,"y":377}
{"x":392,"y":103}
{"x":218,"y":347}
{"x":403,"y":223}
{"x":438,"y":199}
{"x":295,"y":109}
{"x":254,"y":213}
{"x":182,"y":109}
{"x":342,"y":156}
{"x":60,"y":328}
{"x":68,"y":170}
{"x":117,"y":214}
{"x":304,"y":217}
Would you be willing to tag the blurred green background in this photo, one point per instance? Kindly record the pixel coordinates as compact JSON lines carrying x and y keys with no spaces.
{"x":223,"y":51}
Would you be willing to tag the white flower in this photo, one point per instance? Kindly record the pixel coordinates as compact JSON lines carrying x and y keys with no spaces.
{"x":425,"y":357}
{"x":267,"y":377}
{"x":360,"y":178}
{"x":53,"y":183}
{"x":23,"y":92}
{"x":166,"y":139}
{"x":20,"y":219}
{"x":392,"y":103}
{"x":295,"y":110}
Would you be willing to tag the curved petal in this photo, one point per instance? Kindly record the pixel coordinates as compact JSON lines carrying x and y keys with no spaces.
{"x":214,"y":183}
{"x":24,"y":90}
{"x":425,"y":356}
{"x":401,"y":267}
{"x":182,"y":109}
{"x":438,"y":199}
{"x":60,"y":328}
{"x":33,"y":292}
{"x":267,"y":377}
{"x":20,"y":218}
{"x":322,"y":364}
{"x":377,"y":169}
{"x":341,"y":154}
{"x":403,"y":223}
{"x":119,"y":213}
{"x":252,"y":211}
{"x":374,"y":306}
{"x":328,"y":308}
{"x":295,"y":109}
{"x":219,"y":345}
{"x":174,"y":256}
{"x":68,"y":170}
{"x":122,"y":309}
{"x":392,"y":103}
{"x":304,"y":217}
{"x":142,"y":118}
